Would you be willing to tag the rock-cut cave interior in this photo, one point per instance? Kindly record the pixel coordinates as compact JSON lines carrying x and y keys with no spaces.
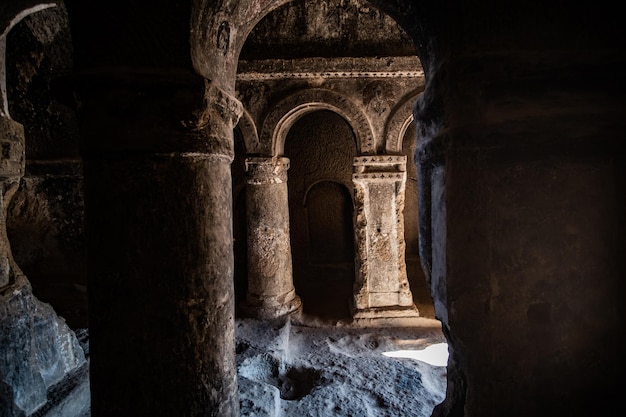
{"x":311,"y":208}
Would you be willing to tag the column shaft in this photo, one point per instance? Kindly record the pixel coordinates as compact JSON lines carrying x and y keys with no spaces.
{"x":270,"y":281}
{"x":158,"y":213}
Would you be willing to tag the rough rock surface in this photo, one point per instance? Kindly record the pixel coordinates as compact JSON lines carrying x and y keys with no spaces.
{"x":37,"y":351}
{"x":289,"y":369}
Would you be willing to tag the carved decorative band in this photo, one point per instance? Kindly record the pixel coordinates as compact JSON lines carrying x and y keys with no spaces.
{"x":254,"y":76}
{"x":379,"y":160}
{"x":379,"y":163}
{"x":261,"y":171}
{"x":379,"y":176}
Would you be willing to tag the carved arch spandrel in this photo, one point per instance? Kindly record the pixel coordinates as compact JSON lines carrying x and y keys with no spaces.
{"x":249,"y":133}
{"x":399,"y":122}
{"x":284,"y":114}
{"x":218,"y":31}
{"x":220,"y":28}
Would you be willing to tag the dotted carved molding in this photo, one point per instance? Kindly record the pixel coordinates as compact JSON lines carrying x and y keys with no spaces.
{"x":260,"y":76}
{"x":365,"y":163}
{"x":379,"y":168}
{"x":379,"y":176}
{"x":331,"y":68}
{"x":280,"y":118}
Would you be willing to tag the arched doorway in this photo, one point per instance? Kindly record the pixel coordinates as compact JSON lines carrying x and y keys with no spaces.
{"x":321,"y":147}
{"x":329,"y":213}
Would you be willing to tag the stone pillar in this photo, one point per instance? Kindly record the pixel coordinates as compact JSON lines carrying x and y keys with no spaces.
{"x":270,"y":281}
{"x":158,"y":213}
{"x":381,"y":288}
{"x":11,"y":170}
{"x":37,"y":349}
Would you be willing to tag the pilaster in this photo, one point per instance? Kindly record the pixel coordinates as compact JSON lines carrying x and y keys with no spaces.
{"x":381,"y":287}
{"x":28,"y":328}
{"x":12,"y":162}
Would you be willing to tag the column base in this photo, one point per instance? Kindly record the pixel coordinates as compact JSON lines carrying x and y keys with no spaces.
{"x":385,"y":313}
{"x":271,"y":307}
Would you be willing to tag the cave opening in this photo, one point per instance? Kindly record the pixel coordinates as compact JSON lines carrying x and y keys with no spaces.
{"x":340,"y":100}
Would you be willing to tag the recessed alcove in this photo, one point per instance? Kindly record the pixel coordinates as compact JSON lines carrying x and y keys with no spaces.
{"x":321,"y":147}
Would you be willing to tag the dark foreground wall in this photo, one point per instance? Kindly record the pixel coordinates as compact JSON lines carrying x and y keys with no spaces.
{"x":521,"y":206}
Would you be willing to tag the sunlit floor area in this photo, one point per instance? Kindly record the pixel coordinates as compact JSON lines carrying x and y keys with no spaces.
{"x":309,"y":370}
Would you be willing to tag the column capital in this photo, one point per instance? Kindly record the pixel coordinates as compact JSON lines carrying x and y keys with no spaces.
{"x":266,"y":170}
{"x":154,"y":112}
{"x":217,"y":100}
{"x":379,"y":168}
{"x":379,"y":163}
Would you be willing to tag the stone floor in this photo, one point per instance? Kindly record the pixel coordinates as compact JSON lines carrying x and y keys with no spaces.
{"x":318,"y":365}
{"x":310,"y":369}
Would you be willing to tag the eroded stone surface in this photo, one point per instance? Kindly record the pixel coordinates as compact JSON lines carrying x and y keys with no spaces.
{"x":37,"y":351}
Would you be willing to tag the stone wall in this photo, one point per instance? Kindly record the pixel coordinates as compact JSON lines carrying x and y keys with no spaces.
{"x":39,"y":352}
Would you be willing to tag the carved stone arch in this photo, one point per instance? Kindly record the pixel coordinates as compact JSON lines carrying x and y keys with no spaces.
{"x":219,"y":32}
{"x":249,"y":133}
{"x":398,"y":123}
{"x":8,"y":19}
{"x":282,"y":116}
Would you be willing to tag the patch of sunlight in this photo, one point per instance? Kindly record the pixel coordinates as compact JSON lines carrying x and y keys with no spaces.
{"x":436,"y":355}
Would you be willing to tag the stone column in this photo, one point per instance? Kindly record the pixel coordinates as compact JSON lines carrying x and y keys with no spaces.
{"x":270,"y":281}
{"x":381,"y":288}
{"x":158,"y":213}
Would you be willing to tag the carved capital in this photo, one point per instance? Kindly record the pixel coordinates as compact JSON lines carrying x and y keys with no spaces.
{"x":260,"y":170}
{"x":220,"y":108}
{"x":379,"y":168}
{"x":226,"y":104}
